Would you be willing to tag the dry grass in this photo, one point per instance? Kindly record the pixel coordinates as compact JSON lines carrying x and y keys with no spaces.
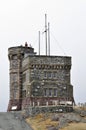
{"x":80,"y":108}
{"x":41,"y":122}
{"x":75,"y":126}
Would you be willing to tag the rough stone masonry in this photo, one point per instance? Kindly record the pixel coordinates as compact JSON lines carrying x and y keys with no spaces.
{"x":38,"y":80}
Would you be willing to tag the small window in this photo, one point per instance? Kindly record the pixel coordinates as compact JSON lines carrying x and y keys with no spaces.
{"x":24,"y":77}
{"x":45,"y":74}
{"x":45,"y":92}
{"x":49,"y":74}
{"x":50,"y":92}
{"x":54,"y":74}
{"x":55,"y":92}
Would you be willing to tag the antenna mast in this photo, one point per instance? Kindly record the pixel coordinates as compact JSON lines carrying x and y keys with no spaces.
{"x":46,"y":32}
{"x":49,"y":39}
{"x":39,"y":42}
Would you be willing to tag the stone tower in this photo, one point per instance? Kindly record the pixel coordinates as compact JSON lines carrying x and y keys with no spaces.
{"x":38,"y":80}
{"x":16,"y":55}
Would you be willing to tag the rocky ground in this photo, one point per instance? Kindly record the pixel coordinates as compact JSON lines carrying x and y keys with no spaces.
{"x":66,"y":118}
{"x":43,"y":121}
{"x":13,"y":121}
{"x":58,"y":121}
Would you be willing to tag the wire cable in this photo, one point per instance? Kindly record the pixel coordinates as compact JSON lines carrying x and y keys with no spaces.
{"x":58,"y":43}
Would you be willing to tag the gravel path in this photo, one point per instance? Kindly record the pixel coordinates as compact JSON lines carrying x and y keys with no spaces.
{"x":12,"y":121}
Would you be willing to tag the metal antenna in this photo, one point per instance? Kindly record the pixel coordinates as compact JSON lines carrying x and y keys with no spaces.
{"x":46,"y":32}
{"x":39,"y":42}
{"x":49,"y":39}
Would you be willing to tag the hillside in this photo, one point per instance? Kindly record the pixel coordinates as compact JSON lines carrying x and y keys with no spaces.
{"x":75,"y":120}
{"x":59,"y":121}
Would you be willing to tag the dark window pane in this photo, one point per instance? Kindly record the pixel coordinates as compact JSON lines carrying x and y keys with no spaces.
{"x":49,"y":74}
{"x":50,"y":92}
{"x":45,"y":74}
{"x":54,"y":74}
{"x":55,"y":92}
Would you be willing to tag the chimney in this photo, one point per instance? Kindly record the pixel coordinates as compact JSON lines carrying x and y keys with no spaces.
{"x":26,"y":45}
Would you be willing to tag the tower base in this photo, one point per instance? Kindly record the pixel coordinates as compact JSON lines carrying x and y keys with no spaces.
{"x":14,"y":105}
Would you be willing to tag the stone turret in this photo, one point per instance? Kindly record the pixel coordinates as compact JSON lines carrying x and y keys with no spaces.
{"x":16,"y":56}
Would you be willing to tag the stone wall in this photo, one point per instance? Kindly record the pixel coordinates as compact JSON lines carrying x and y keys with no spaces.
{"x":47,"y":73}
{"x":32,"y":111}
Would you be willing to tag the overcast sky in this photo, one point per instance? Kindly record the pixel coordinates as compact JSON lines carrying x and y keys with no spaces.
{"x":20,"y":21}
